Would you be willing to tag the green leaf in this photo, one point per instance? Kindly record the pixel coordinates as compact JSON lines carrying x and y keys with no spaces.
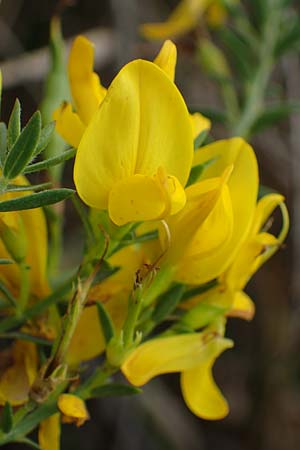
{"x":14,"y":125}
{"x":25,"y":188}
{"x":23,"y":149}
{"x":6,"y":421}
{"x":273,"y":115}
{"x":7,"y":294}
{"x":167,"y":302}
{"x":199,"y":289}
{"x":115,"y":390}
{"x":106,"y":322}
{"x":6,"y":261}
{"x":199,"y":140}
{"x":243,"y":60}
{"x":45,"y":138}
{"x":25,"y":337}
{"x":290,"y":37}
{"x":3,"y":140}
{"x":29,"y":442}
{"x":36,"y":200}
{"x":197,"y":171}
{"x":42,"y":165}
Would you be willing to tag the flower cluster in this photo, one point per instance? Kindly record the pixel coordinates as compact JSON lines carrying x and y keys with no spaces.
{"x":176,"y":231}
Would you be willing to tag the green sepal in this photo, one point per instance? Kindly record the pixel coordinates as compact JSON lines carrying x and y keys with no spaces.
{"x":48,"y":197}
{"x":23,"y":149}
{"x":3,"y":143}
{"x":45,"y":138}
{"x":107,"y":325}
{"x":167,"y":302}
{"x":201,"y":315}
{"x":199,"y":140}
{"x":14,"y":125}
{"x":42,"y":165}
{"x":115,"y":390}
{"x":6,"y":421}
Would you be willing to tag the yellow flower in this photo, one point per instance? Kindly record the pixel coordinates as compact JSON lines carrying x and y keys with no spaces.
{"x":185,"y":18}
{"x":24,"y":232}
{"x":73,"y":409}
{"x":207,"y":233}
{"x":19,"y":372}
{"x":257,"y":249}
{"x":134,"y":140}
{"x":191,"y":354}
{"x":49,"y":433}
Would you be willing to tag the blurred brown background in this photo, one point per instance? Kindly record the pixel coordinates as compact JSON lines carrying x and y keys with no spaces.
{"x":260,"y":376}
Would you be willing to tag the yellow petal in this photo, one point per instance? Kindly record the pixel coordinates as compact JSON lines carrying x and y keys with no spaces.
{"x":167,"y":355}
{"x":199,"y":389}
{"x":243,"y":187}
{"x":87,"y":341}
{"x":49,"y":433}
{"x":166,"y":59}
{"x":35,"y":230}
{"x":142,"y":124}
{"x":73,"y":409}
{"x":247,"y":261}
{"x":16,"y":380}
{"x":86,"y":88}
{"x":68,"y":124}
{"x":183,"y":19}
{"x":200,"y":123}
{"x":242,"y":307}
{"x":264,"y":209}
{"x":202,"y":198}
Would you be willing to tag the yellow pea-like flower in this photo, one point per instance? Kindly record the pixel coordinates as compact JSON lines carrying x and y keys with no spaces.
{"x":206,"y":234}
{"x":257,"y":248}
{"x":49,"y":433}
{"x":23,"y":234}
{"x":73,"y":409}
{"x":135,"y":156}
{"x":19,"y":374}
{"x":191,"y":354}
{"x":185,"y":17}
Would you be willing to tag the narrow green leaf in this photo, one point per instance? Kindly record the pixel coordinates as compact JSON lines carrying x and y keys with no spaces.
{"x":199,"y":289}
{"x":28,"y":442}
{"x":197,"y":171}
{"x":6,"y":261}
{"x":115,"y":390}
{"x":25,"y":188}
{"x":23,"y":148}
{"x":168,"y":302}
{"x":7,"y":294}
{"x":42,"y":165}
{"x":6,"y":421}
{"x":106,"y":322}
{"x":274,"y":114}
{"x":45,"y":138}
{"x":36,"y":200}
{"x":25,"y":337}
{"x":3,"y":143}
{"x":199,"y":140}
{"x":14,"y":125}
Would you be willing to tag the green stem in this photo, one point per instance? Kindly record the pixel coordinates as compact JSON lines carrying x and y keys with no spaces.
{"x":256,"y":90}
